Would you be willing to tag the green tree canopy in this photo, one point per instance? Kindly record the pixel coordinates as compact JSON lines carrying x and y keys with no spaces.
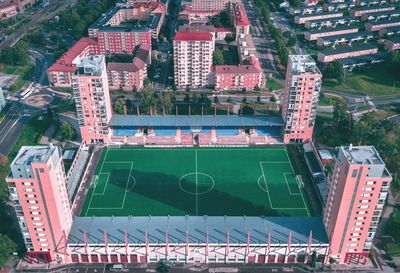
{"x":7,"y":248}
{"x":67,"y":131}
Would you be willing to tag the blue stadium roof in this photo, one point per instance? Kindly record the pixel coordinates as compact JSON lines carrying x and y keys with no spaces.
{"x":194,"y":121}
{"x":197,"y":227}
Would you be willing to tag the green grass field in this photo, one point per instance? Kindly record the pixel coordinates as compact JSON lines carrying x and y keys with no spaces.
{"x":190,"y":181}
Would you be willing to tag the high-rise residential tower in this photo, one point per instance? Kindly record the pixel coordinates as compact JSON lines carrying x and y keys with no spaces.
{"x":193,"y":58}
{"x":92,"y":99}
{"x":37,"y":185}
{"x":300,"y":98}
{"x":357,"y":193}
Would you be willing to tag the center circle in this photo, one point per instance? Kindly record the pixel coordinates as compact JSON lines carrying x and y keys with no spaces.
{"x":196,"y":183}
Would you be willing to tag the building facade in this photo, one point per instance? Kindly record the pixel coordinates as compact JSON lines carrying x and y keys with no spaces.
{"x":357,"y":194}
{"x":300,"y":98}
{"x":331,"y":55}
{"x":60,"y":73}
{"x":237,"y":77}
{"x":38,"y":190}
{"x":92,"y":99}
{"x":193,"y":58}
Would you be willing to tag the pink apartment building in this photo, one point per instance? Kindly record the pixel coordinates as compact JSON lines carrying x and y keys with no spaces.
{"x":37,"y":185}
{"x":193,"y":58}
{"x":331,"y":55}
{"x":380,"y":24}
{"x":301,"y":19}
{"x":366,"y":10}
{"x":61,"y":72}
{"x":313,"y":35}
{"x":239,"y":19}
{"x":392,"y":44}
{"x":7,"y":10}
{"x":208,"y":5}
{"x":92,"y":99}
{"x":300,"y":98}
{"x":357,"y":193}
{"x":240,"y":76}
{"x":127,"y":75}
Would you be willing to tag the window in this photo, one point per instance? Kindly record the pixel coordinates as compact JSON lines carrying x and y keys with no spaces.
{"x":354,"y":173}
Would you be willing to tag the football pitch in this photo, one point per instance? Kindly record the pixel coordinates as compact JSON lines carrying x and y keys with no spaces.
{"x":195,"y":181}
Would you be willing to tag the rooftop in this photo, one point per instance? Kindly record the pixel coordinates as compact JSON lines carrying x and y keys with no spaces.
{"x":394,"y":40}
{"x":194,"y":121}
{"x":33,"y":154}
{"x":320,"y":14}
{"x":65,"y":62}
{"x":362,"y":155}
{"x":385,"y":21}
{"x":348,"y":49}
{"x":334,"y":19}
{"x":303,"y":64}
{"x":347,"y":35}
{"x":195,"y":228}
{"x":90,"y":65}
{"x":373,"y":7}
{"x":325,"y":30}
{"x":193,"y":36}
{"x":370,"y":58}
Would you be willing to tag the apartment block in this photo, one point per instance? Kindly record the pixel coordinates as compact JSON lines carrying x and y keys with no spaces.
{"x":331,"y":22}
{"x":37,"y":185}
{"x":239,"y":19}
{"x":349,"y":38}
{"x":300,"y":98}
{"x":313,"y":35}
{"x":60,"y":73}
{"x":236,"y":77}
{"x":366,"y":10}
{"x":392,"y":44}
{"x":211,"y":5}
{"x":378,"y":25}
{"x":357,"y":192}
{"x":327,"y":56}
{"x":125,"y":76}
{"x":92,"y":99}
{"x":301,"y":19}
{"x":193,"y":58}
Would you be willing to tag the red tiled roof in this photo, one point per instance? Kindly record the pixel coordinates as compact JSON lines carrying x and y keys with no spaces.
{"x":240,"y":15}
{"x":65,"y":61}
{"x":193,"y":36}
{"x":130,"y":67}
{"x":235,"y":69}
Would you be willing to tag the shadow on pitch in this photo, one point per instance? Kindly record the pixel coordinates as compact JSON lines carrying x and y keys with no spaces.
{"x":165,"y":189}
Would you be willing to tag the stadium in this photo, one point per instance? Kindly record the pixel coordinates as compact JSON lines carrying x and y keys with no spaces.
{"x":196,"y":202}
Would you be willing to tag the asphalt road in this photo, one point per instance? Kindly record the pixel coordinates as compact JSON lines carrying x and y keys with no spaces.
{"x":262,"y":39}
{"x":10,"y":128}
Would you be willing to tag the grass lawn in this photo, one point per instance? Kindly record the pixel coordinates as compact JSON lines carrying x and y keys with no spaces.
{"x":23,"y":72}
{"x":190,"y":181}
{"x":375,"y":81}
{"x":275,"y":84}
{"x":327,"y":100}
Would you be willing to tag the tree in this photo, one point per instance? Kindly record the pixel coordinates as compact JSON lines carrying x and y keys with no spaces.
{"x":244,"y":89}
{"x":187,"y":99}
{"x":218,"y":58}
{"x":334,"y":70}
{"x":187,"y":88}
{"x":7,"y":248}
{"x":313,"y":259}
{"x":247,"y":110}
{"x":258,"y":99}
{"x":119,"y":107}
{"x":229,"y":38}
{"x":134,"y":89}
{"x":256,"y":88}
{"x":67,"y":131}
{"x":216,"y":99}
{"x":272,"y":99}
{"x":229,"y":100}
{"x":3,"y":160}
{"x":244,"y":100}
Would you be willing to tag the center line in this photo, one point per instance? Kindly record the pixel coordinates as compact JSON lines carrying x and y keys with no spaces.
{"x":197,"y":200}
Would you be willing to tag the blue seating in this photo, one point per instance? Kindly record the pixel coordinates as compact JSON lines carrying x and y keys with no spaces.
{"x":124,"y":132}
{"x":164,"y":131}
{"x":227,"y":131}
